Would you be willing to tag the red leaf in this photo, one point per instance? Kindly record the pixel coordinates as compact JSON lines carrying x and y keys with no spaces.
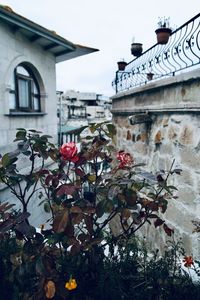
{"x":76,"y":218}
{"x":89,"y":223}
{"x":80,"y":173}
{"x":168,"y":230}
{"x":72,"y":241}
{"x":43,"y":172}
{"x":75,"y":249}
{"x":55,"y":182}
{"x":89,"y":210}
{"x":75,"y":209}
{"x":158,"y":222}
{"x":69,"y":230}
{"x":153,"y":216}
{"x":48,"y":179}
{"x":84,"y":237}
{"x":66,"y":189}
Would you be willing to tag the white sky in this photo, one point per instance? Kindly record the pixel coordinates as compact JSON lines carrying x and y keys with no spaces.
{"x":108,"y":25}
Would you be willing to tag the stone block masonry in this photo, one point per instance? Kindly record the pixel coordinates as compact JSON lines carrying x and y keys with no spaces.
{"x":159,"y":123}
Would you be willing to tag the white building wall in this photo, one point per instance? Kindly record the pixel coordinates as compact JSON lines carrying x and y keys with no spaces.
{"x":15,"y":49}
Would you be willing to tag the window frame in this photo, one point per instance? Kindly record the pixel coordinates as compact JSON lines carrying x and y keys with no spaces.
{"x":31,"y":94}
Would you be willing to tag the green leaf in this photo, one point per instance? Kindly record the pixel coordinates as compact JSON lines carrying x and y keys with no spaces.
{"x":168,"y":189}
{"x":20,"y":135}
{"x":47,"y":208}
{"x":34,"y":131}
{"x":177,"y":171}
{"x":39,"y":266}
{"x":5,"y":160}
{"x":88,"y":137}
{"x":100,"y":209}
{"x":104,"y":206}
{"x":111,"y":130}
{"x":82,"y":128}
{"x":108,"y":206}
{"x":162,"y":203}
{"x":21,"y":129}
{"x":94,"y":127}
{"x":46,"y":136}
{"x":130,"y":197}
{"x":171,"y":187}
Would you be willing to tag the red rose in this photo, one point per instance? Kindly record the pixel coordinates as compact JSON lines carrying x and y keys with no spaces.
{"x":125,"y":159}
{"x":68,"y":151}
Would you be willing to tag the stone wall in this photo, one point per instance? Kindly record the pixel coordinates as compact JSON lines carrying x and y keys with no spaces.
{"x":159,"y":124}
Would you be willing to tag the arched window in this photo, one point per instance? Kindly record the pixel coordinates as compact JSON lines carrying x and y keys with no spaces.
{"x":26,"y":90}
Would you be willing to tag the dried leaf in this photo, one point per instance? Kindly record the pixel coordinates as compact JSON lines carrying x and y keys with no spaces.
{"x":60,"y":221}
{"x":50,"y":289}
{"x":91,"y":178}
{"x":75,"y":209}
{"x":125,"y":214}
{"x":5,"y":206}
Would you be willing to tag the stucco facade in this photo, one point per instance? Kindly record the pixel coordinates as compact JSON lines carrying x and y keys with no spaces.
{"x":16,"y":49}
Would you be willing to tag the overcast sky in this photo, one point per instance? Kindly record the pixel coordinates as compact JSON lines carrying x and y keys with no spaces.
{"x":108,"y":25}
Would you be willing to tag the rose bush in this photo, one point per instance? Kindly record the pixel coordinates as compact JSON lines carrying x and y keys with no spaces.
{"x":78,"y":254}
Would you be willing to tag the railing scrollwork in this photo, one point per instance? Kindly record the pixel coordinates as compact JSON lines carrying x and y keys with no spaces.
{"x":181,"y":52}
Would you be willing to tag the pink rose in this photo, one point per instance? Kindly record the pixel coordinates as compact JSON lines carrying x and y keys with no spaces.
{"x":68,"y":151}
{"x":125,"y":159}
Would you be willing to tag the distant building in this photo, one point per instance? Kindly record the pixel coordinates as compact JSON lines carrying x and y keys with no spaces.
{"x":77,"y":109}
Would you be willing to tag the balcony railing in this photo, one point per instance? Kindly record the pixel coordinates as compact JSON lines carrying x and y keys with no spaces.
{"x":180,"y":53}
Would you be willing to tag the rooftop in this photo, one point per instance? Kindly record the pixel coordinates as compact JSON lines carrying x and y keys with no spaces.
{"x":49,"y":40}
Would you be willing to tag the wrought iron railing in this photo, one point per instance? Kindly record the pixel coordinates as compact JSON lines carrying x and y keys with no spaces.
{"x":181,"y":52}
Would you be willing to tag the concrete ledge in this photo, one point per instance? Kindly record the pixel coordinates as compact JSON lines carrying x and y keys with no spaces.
{"x":181,"y":108}
{"x":25,"y":114}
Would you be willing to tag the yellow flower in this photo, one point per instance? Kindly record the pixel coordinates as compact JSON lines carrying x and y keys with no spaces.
{"x":71,"y":284}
